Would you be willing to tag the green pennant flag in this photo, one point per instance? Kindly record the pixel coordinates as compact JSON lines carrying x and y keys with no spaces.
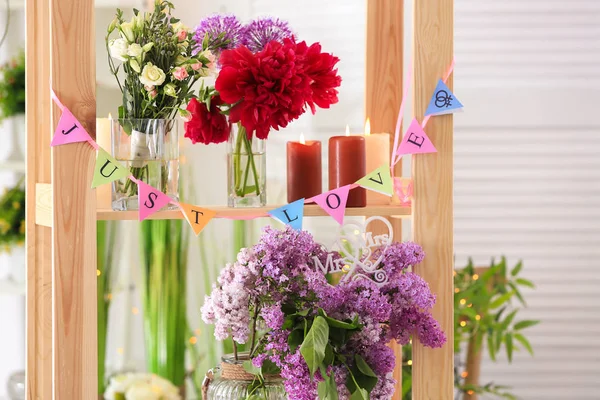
{"x":107,"y":169}
{"x":380,"y":181}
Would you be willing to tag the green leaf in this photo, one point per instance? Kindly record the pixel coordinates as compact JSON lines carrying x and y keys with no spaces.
{"x":524,"y":324}
{"x":360,"y":394}
{"x":509,"y":346}
{"x":515,"y":271}
{"x":517,"y":293}
{"x":508,"y":320}
{"x":328,"y":360}
{"x":501,"y":300}
{"x":491,"y":347}
{"x":525,"y":282}
{"x":250,"y":368}
{"x":364,"y":367}
{"x":332,"y":392}
{"x":322,"y":390}
{"x":315,"y":342}
{"x":295,"y":339}
{"x":269,"y":368}
{"x":524,"y":342}
{"x":334,"y":323}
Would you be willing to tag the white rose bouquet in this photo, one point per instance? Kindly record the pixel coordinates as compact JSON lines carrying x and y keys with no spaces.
{"x":155,"y":62}
{"x":140,"y":387}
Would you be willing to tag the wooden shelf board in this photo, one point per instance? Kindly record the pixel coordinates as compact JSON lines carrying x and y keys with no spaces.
{"x":310,"y":210}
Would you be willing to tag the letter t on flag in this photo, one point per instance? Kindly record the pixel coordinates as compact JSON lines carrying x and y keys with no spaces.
{"x":379,"y":181}
{"x":150,"y":200}
{"x":290,"y":214}
{"x":107,"y":169}
{"x":69,"y":130}
{"x":197,"y":217}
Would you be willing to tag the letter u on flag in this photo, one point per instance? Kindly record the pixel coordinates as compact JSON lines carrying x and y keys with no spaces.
{"x":197,"y":217}
{"x":379,"y":181}
{"x":69,"y":130}
{"x":334,"y":202}
{"x":290,"y":214}
{"x":150,"y":200}
{"x":107,"y":169}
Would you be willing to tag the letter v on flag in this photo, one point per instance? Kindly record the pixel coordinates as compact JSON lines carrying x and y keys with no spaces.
{"x":379,"y":181}
{"x":150,"y":200}
{"x":197,"y":217}
{"x":69,"y":130}
{"x":107,"y":169}
{"x":334,"y":202}
{"x":290,"y":214}
{"x":415,"y":141}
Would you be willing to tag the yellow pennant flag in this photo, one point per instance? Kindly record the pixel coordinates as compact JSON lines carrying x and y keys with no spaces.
{"x":379,"y":180}
{"x":197,"y":217}
{"x":107,"y":169}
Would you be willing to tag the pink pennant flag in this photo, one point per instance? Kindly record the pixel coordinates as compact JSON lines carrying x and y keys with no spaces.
{"x":334,"y":202}
{"x":150,"y":200}
{"x":69,"y":130}
{"x":415,"y":141}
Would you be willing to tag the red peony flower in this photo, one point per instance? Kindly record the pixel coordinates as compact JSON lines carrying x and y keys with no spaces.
{"x":206,"y":126}
{"x":272,"y":87}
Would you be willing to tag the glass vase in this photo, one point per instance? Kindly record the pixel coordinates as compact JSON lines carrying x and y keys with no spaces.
{"x":231,"y":382}
{"x":246,"y":169}
{"x":149,"y":148}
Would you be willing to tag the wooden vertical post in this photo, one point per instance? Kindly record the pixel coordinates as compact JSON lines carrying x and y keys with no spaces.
{"x":39,"y":238}
{"x":383,"y":96}
{"x":432,"y":204}
{"x":74,"y":204}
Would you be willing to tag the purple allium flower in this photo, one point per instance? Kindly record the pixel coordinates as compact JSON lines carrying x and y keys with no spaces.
{"x":261,"y":31}
{"x":224,"y":32}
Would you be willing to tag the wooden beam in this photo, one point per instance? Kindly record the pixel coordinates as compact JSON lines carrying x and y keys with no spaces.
{"x":74,"y":204}
{"x":383,"y":95}
{"x":38,"y":238}
{"x":432,"y":204}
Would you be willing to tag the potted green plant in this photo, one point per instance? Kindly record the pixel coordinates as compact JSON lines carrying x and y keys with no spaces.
{"x":486,"y":306}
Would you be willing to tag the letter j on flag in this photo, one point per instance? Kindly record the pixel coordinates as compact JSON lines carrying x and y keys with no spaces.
{"x":290,"y":214}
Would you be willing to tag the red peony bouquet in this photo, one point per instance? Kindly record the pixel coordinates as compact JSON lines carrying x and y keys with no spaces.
{"x":265,"y":79}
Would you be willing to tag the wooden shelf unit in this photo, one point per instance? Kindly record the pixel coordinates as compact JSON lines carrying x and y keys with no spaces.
{"x":62,"y":210}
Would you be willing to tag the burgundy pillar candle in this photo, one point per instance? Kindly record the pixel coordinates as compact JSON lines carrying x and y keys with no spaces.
{"x":347,"y":164}
{"x":303,"y":169}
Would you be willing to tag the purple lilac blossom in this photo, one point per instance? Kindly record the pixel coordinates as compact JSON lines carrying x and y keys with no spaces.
{"x":298,"y":383}
{"x":216,"y":25}
{"x":261,"y":31}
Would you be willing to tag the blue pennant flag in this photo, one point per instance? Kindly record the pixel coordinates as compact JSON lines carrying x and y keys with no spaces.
{"x":443,"y":101}
{"x":290,"y":214}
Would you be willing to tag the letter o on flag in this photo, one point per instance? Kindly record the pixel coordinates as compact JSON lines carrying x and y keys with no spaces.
{"x":337,"y":198}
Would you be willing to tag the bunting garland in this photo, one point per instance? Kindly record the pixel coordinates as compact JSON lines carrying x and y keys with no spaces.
{"x":415,"y":141}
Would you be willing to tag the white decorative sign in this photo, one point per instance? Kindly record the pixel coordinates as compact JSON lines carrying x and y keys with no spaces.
{"x":355,"y":246}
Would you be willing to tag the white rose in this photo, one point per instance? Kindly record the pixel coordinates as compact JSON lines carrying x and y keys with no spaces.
{"x":118,"y":49}
{"x":167,"y":390}
{"x":152,"y":75}
{"x":127,"y":31}
{"x":178,"y":27}
{"x":142,"y":391}
{"x":135,"y":50}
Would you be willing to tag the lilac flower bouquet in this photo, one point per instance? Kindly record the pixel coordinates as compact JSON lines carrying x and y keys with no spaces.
{"x":326,"y":341}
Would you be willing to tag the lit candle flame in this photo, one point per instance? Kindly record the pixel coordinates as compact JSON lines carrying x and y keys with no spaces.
{"x":347,"y":130}
{"x":367,"y":127}
{"x":109,"y":116}
{"x":302,"y":139}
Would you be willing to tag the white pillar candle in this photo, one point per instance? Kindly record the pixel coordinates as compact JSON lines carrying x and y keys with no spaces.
{"x":377,"y":146}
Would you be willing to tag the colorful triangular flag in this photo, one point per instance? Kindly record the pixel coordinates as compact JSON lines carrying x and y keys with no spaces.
{"x":69,"y":130}
{"x":107,"y":169}
{"x":415,"y":141}
{"x":290,"y":214}
{"x":334,"y":202}
{"x":443,"y":101}
{"x":404,"y":196}
{"x":150,"y":200}
{"x":380,"y":181}
{"x":197,"y":217}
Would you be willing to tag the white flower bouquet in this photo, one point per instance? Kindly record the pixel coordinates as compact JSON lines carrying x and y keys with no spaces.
{"x":138,"y":386}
